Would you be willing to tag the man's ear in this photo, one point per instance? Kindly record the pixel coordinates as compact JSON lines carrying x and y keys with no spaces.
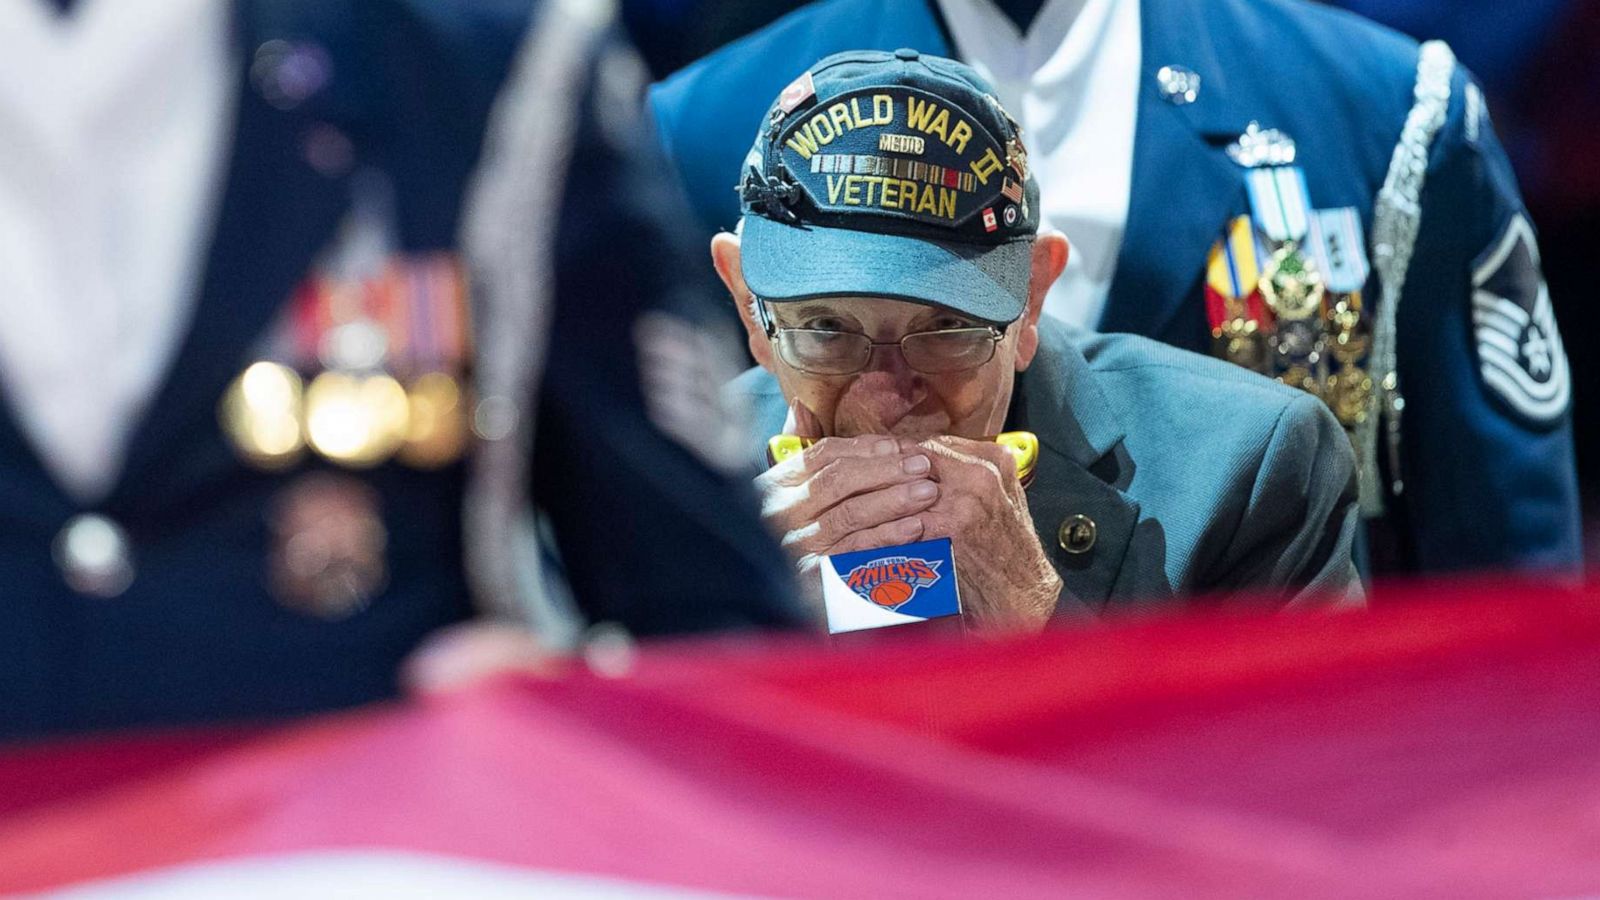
{"x":1049,"y":259}
{"x":725,"y":257}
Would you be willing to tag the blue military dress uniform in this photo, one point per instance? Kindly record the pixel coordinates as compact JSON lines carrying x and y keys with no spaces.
{"x":1481,"y":471}
{"x":157,"y":605}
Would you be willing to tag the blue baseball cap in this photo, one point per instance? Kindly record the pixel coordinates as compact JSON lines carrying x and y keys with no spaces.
{"x":892,"y":175}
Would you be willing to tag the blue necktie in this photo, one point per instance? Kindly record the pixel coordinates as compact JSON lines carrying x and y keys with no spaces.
{"x":1021,"y":12}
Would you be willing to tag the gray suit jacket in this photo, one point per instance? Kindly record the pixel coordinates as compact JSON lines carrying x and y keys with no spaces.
{"x":1200,"y":478}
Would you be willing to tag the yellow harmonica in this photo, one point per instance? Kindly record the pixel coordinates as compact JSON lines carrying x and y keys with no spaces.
{"x":1024,"y":447}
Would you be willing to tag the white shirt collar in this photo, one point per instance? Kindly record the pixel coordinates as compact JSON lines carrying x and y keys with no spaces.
{"x":1072,"y":83}
{"x":113,"y":134}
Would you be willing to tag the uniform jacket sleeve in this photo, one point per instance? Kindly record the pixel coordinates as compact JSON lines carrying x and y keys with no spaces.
{"x":1489,"y":479}
{"x":1298,"y":528}
{"x":652,"y":533}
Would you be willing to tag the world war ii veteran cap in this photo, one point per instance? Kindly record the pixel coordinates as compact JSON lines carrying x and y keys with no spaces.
{"x":890,"y":175}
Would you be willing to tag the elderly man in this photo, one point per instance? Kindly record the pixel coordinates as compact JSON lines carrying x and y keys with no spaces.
{"x":891,"y":276}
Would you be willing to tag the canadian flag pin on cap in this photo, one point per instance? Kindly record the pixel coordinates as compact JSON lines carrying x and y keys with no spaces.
{"x":799,"y":91}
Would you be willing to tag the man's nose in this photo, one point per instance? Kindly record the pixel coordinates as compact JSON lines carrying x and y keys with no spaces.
{"x":893,"y":372}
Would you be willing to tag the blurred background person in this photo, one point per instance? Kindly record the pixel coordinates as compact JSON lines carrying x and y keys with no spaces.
{"x":300,"y":326}
{"x":1208,"y":178}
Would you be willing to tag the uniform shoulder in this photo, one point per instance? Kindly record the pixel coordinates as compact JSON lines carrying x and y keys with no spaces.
{"x":1182,"y":380}
{"x":1332,"y":77}
{"x":455,"y":26}
{"x":791,"y":35}
{"x":1351,"y":42}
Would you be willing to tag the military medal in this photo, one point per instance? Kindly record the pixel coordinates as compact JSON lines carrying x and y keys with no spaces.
{"x":1301,"y":377}
{"x":1299,"y":342}
{"x":1017,"y":155}
{"x":1334,"y":239}
{"x":1291,"y":286}
{"x":1280,"y":206}
{"x":1313,"y":268}
{"x":1234,"y":306}
{"x":1243,"y":343}
{"x":1349,"y":393}
{"x":436,"y":427}
{"x":260,"y":414}
{"x":329,"y":546}
{"x":437,"y":433}
{"x":1336,"y":242}
{"x":1351,"y":335}
{"x":386,"y":353}
{"x":356,"y":420}
{"x":1279,"y":202}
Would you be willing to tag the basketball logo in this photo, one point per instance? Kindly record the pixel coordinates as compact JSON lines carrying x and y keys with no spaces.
{"x":892,"y":581}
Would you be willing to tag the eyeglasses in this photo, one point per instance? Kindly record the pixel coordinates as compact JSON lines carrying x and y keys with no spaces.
{"x":818,"y":351}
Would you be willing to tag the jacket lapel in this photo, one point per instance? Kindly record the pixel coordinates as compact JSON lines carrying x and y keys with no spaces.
{"x":276,"y":212}
{"x":1081,"y":469}
{"x":1185,"y":188}
{"x":28,"y":492}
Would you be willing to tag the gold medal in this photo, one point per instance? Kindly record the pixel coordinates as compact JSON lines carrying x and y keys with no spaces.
{"x":1346,"y":315}
{"x":1298,"y":342}
{"x":1301,"y":377}
{"x":1349,"y":346}
{"x":1351,"y":337}
{"x":1291,"y":286}
{"x":329,"y":556}
{"x":1241,"y":342}
{"x":260,"y":414}
{"x":436,"y":428}
{"x":1349,"y":395}
{"x":356,"y":420}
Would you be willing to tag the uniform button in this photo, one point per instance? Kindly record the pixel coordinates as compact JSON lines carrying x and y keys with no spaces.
{"x":288,"y":74}
{"x":1076,"y":534}
{"x":495,"y":418}
{"x":907,"y":54}
{"x":1178,"y":84}
{"x":329,"y":151}
{"x":92,"y":553}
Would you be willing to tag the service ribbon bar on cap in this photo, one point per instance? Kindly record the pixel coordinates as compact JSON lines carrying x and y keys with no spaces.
{"x":898,"y":151}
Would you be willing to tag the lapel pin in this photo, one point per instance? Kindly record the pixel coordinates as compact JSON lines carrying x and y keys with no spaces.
{"x":1262,"y":147}
{"x":1076,"y":534}
{"x":288,"y":74}
{"x":1179,"y":85}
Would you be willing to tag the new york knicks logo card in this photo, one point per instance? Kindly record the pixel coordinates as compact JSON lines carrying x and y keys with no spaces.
{"x":890,"y":586}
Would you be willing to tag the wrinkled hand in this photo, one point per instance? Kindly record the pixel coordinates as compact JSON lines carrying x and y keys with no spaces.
{"x":844,"y":494}
{"x":1007,"y":582}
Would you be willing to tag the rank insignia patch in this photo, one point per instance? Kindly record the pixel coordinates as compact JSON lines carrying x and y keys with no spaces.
{"x":1520,"y":356}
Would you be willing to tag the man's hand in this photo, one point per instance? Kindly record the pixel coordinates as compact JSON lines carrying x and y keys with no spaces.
{"x":845,"y":494}
{"x":1007,"y":582}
